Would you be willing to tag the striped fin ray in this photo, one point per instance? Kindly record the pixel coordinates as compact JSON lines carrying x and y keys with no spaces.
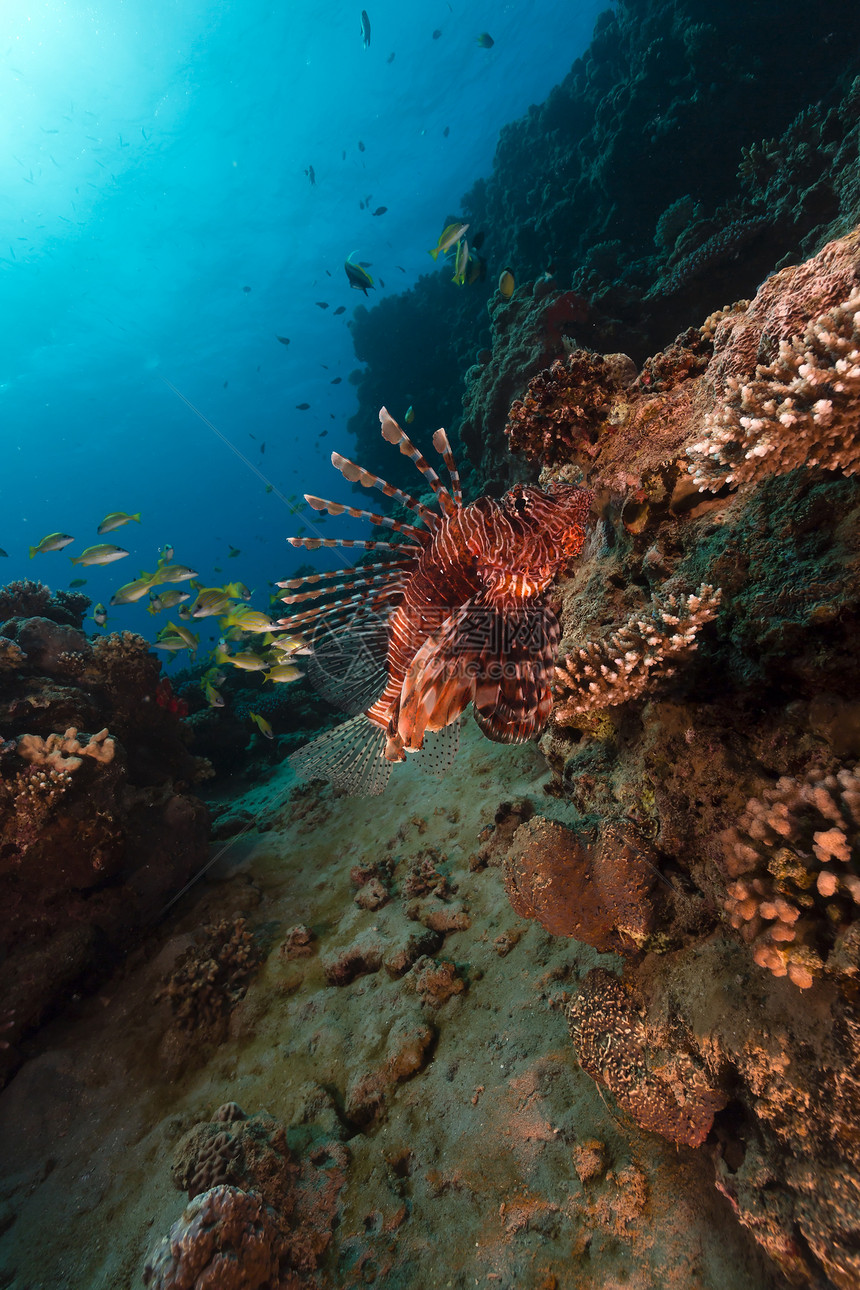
{"x":340,"y":610}
{"x":443,"y":447}
{"x":369,"y":583}
{"x":392,"y":433}
{"x":358,"y":475}
{"x":355,"y":570}
{"x":351,"y":756}
{"x":313,"y":544}
{"x":338,"y":508}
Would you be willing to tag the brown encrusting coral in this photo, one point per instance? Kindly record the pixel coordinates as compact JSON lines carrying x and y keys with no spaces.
{"x":211,"y":977}
{"x":97,"y":824}
{"x":662,"y":1083}
{"x":565,"y":408}
{"x":600,"y":894}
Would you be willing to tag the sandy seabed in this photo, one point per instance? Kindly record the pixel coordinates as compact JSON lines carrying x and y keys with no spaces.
{"x":472,"y":1148}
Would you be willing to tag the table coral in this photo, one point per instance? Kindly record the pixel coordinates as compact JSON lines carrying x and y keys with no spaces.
{"x":794,"y":863}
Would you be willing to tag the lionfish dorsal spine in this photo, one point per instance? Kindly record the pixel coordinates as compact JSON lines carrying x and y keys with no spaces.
{"x":443,"y":447}
{"x":356,"y":474}
{"x":354,"y":584}
{"x":393,"y":433}
{"x":314,"y":543}
{"x":355,"y":572}
{"x":340,"y":610}
{"x":374,"y":517}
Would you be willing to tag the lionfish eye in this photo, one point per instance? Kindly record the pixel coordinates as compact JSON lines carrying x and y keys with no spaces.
{"x":521,"y":504}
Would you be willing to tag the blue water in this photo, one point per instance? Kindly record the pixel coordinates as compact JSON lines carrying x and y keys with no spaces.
{"x":153,"y":168}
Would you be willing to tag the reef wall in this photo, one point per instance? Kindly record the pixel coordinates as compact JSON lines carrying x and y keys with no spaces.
{"x":706,"y":730}
{"x":692,"y":150}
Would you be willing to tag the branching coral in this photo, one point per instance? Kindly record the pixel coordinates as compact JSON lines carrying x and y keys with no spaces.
{"x":794,"y":862}
{"x":65,"y":752}
{"x":565,"y":407}
{"x":800,"y":410}
{"x":621,"y":666}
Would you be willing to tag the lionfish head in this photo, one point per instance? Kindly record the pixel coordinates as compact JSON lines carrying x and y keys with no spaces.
{"x":551,"y":522}
{"x":544,"y":530}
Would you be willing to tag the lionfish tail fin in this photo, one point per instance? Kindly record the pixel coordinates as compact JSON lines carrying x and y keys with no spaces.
{"x":351,"y":757}
{"x":393,"y":433}
{"x":443,"y":447}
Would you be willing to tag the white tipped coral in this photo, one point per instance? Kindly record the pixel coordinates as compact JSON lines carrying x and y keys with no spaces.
{"x":794,"y":863}
{"x":801,"y":410}
{"x":603,"y":673}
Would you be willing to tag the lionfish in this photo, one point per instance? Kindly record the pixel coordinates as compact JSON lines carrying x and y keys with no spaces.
{"x":453,"y":616}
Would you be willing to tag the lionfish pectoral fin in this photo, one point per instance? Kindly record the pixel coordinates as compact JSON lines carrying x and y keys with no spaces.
{"x":351,"y":757}
{"x":439,"y":685}
{"x":439,"y":749}
{"x":347,"y":665}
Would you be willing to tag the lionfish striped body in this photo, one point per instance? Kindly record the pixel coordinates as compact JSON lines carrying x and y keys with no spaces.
{"x":454,"y":618}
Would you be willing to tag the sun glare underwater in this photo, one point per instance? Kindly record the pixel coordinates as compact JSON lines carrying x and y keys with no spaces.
{"x":182,"y":186}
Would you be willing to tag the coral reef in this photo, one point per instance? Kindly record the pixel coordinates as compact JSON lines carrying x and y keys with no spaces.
{"x":624,"y":664}
{"x":666,"y":102}
{"x":795,"y":882}
{"x":97,"y":830}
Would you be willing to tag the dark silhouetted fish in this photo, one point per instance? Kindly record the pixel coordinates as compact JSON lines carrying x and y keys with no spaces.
{"x":360,"y":146}
{"x":365,"y":29}
{"x":246,"y":290}
{"x":380,"y":210}
{"x":285,"y":340}
{"x":302,"y":407}
{"x":341,"y":309}
{"x":322,"y":304}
